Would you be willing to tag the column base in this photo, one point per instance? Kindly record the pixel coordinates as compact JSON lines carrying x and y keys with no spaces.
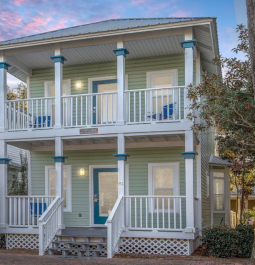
{"x":190,"y":230}
{"x":57,"y":126}
{"x":61,"y":226}
{"x":120,"y":123}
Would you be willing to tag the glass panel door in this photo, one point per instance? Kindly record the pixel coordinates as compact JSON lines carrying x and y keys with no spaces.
{"x":104,"y":106}
{"x":105,"y":193}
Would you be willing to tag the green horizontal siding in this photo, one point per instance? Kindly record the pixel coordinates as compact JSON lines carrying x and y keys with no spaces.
{"x":218,"y":219}
{"x":138,"y":175}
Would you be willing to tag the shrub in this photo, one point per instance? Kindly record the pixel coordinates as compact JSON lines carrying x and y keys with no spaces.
{"x":223,"y":242}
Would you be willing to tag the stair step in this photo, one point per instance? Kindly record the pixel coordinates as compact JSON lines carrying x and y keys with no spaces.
{"x":73,"y":256}
{"x":79,"y":243}
{"x":87,"y":236}
{"x":77,"y":249}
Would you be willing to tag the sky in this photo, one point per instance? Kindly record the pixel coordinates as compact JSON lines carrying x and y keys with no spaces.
{"x":27,"y":17}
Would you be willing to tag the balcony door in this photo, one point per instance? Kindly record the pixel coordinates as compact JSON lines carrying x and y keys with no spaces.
{"x":104,"y":105}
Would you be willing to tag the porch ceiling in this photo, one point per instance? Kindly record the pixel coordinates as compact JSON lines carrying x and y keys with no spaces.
{"x":83,"y":143}
{"x":149,"y":46}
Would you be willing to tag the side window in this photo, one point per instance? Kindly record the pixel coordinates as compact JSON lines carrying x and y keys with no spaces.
{"x":218,"y":190}
{"x":50,"y":185}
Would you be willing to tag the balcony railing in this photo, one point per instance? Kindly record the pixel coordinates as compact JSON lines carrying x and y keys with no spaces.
{"x":25,"y":211}
{"x":154,"y":105}
{"x":89,"y":109}
{"x":34,"y":113}
{"x":156,"y":212}
{"x":97,"y":109}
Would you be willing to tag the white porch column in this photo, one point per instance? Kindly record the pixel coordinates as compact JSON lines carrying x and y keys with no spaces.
{"x":4,"y":161}
{"x":189,"y":156}
{"x":59,"y":159}
{"x":59,"y":61}
{"x":188,"y":45}
{"x":3,"y":91}
{"x":28,"y":87}
{"x":121,"y":55}
{"x":121,"y":158}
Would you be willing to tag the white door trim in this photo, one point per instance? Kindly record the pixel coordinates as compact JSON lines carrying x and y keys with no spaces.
{"x":91,"y":189}
{"x":65,"y":81}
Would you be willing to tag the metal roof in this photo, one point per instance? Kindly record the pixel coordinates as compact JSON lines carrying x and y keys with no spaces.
{"x":219,"y":161}
{"x":102,"y":26}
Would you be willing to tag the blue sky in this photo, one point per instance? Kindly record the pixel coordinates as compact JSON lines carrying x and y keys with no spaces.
{"x":26,"y":17}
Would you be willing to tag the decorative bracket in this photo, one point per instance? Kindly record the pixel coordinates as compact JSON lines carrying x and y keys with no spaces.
{"x":188,"y":44}
{"x":58,"y":59}
{"x":121,"y":51}
{"x":4,"y":65}
{"x":187,"y":155}
{"x":121,"y":157}
{"x":5,"y":161}
{"x":59,"y":158}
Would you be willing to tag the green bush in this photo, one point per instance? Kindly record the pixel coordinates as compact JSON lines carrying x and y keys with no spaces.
{"x":223,"y":242}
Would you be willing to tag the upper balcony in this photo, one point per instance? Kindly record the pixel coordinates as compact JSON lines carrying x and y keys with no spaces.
{"x":78,"y":82}
{"x":142,"y":106}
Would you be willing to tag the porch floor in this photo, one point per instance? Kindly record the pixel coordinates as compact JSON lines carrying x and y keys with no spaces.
{"x":85,"y":232}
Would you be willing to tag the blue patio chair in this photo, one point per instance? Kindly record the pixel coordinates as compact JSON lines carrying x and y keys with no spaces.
{"x":42,"y":122}
{"x":34,"y":209}
{"x":164,"y":116}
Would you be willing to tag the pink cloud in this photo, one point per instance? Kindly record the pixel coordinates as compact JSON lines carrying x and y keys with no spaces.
{"x":13,"y":22}
{"x":19,"y":2}
{"x":181,"y":13}
{"x":136,"y":2}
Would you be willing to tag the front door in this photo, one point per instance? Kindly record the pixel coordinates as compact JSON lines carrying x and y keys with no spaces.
{"x":105,"y":192}
{"x":104,"y":106}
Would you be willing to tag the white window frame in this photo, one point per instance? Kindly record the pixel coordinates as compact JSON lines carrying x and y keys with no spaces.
{"x":48,"y":83}
{"x":226,"y":187}
{"x":68,"y":169}
{"x":172,"y":72}
{"x":176,"y":189}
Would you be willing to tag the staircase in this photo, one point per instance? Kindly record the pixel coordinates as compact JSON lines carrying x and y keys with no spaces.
{"x":80,"y":242}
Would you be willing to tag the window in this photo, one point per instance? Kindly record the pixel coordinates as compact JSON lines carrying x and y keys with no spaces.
{"x":162,"y":79}
{"x":50,"y":185}
{"x":164,"y":181}
{"x":218,"y":191}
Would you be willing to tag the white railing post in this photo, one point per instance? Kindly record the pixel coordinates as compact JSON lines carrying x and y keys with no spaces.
{"x":188,"y":45}
{"x":121,"y":157}
{"x":3,"y":92}
{"x":59,"y":159}
{"x":4,"y":161}
{"x":189,"y":156}
{"x":41,"y":238}
{"x":121,"y":53}
{"x":58,"y":60}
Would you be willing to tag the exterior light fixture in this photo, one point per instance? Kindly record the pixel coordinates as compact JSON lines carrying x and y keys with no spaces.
{"x":82,"y":172}
{"x":78,"y":85}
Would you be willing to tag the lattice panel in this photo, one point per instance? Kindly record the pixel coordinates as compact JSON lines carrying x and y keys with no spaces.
{"x":22,"y":241}
{"x":154,"y":246}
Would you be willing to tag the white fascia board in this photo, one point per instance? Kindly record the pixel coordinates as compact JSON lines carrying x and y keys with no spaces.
{"x":108,"y":33}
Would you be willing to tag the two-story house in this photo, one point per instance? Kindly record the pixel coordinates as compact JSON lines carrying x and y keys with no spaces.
{"x":115,"y":166}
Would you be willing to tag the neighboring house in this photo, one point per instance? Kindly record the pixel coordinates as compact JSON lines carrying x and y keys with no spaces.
{"x":249,"y":202}
{"x":109,"y":141}
{"x":14,"y":167}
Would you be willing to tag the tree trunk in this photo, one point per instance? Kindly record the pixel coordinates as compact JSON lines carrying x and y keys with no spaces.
{"x":250,"y":4}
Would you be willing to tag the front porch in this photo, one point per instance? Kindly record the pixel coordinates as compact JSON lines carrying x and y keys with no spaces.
{"x":147,"y":196}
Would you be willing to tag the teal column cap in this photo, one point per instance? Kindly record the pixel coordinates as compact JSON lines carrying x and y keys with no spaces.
{"x":187,"y":155}
{"x":58,"y":59}
{"x":59,"y":158}
{"x":188,"y":43}
{"x":4,"y":65}
{"x":5,"y":161}
{"x":121,"y":157}
{"x":121,"y":51}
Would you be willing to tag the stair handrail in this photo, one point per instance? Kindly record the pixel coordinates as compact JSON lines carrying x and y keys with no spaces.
{"x":48,"y":224}
{"x":115,"y":225}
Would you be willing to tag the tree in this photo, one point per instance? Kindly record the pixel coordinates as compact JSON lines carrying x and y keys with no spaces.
{"x":250,"y":4}
{"x":227,"y":103}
